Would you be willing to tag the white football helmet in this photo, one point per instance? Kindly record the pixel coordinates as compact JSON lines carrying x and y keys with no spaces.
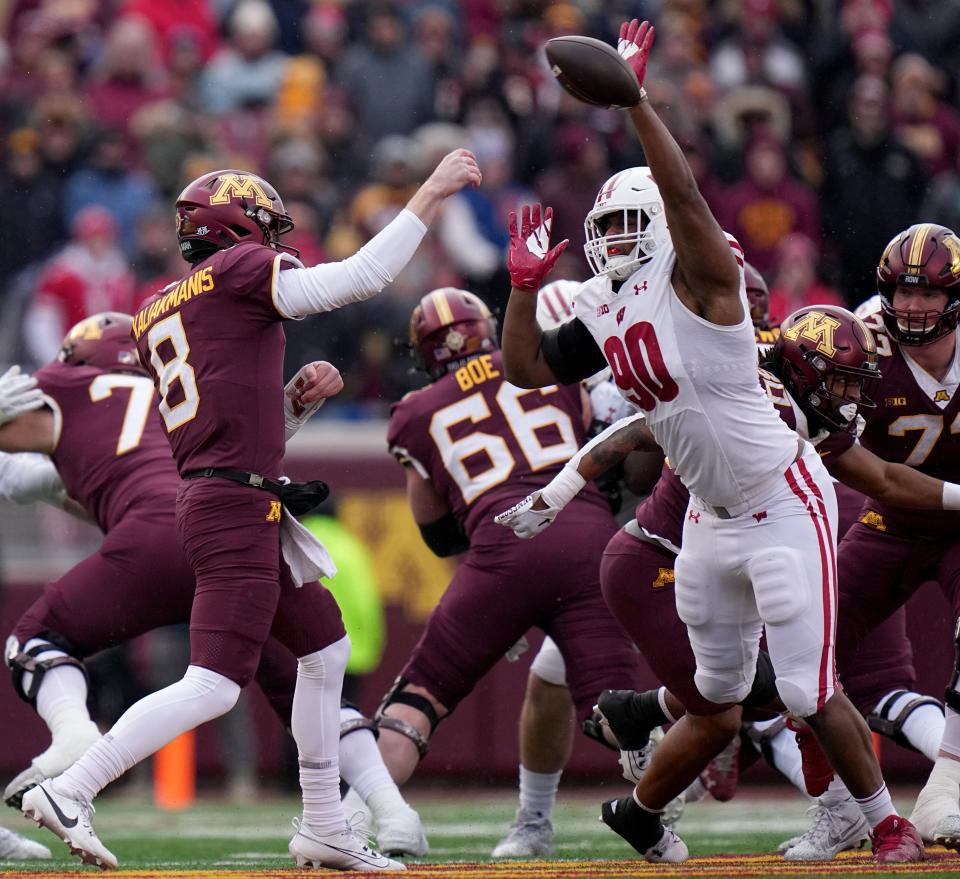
{"x":633,"y":194}
{"x":555,"y":303}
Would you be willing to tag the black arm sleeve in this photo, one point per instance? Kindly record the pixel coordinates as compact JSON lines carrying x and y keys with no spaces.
{"x":445,"y":536}
{"x":572,"y":353}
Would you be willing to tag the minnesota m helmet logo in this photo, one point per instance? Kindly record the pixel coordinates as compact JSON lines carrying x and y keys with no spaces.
{"x":240,"y":186}
{"x":817,"y":328}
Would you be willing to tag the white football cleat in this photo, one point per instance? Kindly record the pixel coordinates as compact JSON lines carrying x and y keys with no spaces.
{"x":939,"y":801}
{"x":834,"y":828}
{"x":947,"y":832}
{"x":69,"y":819}
{"x":401,"y":834}
{"x":635,"y":763}
{"x":345,"y":850}
{"x":669,"y":850}
{"x":60,"y":756}
{"x":530,"y":835}
{"x":14,"y":847}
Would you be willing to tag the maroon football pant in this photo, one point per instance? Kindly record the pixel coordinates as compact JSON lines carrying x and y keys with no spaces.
{"x":244,"y":591}
{"x":637,"y":580}
{"x":506,"y":586}
{"x":138,"y":580}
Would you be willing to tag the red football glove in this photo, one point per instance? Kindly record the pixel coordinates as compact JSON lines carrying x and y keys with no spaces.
{"x":529,"y":261}
{"x":636,"y":38}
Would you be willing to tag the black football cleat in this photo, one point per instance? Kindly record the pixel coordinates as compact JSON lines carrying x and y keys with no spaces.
{"x":622,"y":709}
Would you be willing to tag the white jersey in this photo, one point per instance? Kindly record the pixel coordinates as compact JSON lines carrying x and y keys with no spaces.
{"x":696,"y":381}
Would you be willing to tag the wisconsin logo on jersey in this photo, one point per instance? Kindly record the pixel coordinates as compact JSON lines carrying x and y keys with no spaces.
{"x":817,"y":328}
{"x":240,"y":186}
{"x":273,"y":514}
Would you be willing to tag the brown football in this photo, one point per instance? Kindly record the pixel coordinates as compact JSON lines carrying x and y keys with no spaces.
{"x":592,"y":71}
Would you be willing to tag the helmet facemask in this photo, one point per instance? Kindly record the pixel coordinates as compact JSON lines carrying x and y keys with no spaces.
{"x":631,"y":248}
{"x":842,"y":392}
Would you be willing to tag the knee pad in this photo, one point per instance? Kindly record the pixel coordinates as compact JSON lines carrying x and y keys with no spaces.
{"x":548,"y":664}
{"x":37,"y":657}
{"x":716,"y":686}
{"x":397,"y":696}
{"x":892,"y":727}
{"x":773,"y":574}
{"x":798,"y":701}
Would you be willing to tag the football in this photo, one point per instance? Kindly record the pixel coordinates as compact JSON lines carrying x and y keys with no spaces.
{"x":592,"y":71}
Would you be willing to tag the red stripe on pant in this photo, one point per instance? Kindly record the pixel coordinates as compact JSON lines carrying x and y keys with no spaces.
{"x":826,"y":664}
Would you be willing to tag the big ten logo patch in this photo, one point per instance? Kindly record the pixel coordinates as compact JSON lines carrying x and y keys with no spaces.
{"x":408,"y":574}
{"x":475,"y":372}
{"x":275,"y":511}
{"x":665,"y":577}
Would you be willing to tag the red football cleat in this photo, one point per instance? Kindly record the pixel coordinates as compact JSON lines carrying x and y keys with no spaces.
{"x":721,"y":775}
{"x":896,"y":841}
{"x":817,"y":770}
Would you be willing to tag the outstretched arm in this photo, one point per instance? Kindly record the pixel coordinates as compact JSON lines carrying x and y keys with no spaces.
{"x":896,"y":484}
{"x":301,"y":291}
{"x":706,"y":278}
{"x":529,"y":260}
{"x":537,"y":510}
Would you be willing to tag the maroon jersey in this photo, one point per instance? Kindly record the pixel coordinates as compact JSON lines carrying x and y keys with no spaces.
{"x":662,"y":513}
{"x":916,"y":422}
{"x":486,"y":444}
{"x":110,"y":451}
{"x":214,"y":345}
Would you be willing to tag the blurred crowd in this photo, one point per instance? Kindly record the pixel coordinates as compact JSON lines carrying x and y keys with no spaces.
{"x":816,"y":130}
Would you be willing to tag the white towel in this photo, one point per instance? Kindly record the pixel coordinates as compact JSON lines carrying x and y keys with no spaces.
{"x":306,"y":556}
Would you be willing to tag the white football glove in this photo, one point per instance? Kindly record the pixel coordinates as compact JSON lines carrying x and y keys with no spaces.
{"x":524,"y":520}
{"x":18,"y":394}
{"x":26,"y":477}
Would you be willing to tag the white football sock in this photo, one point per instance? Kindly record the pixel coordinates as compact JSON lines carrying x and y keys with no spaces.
{"x":786,"y":756}
{"x":950,"y":742}
{"x":877,"y":806}
{"x":362,"y":767}
{"x":538,"y":791}
{"x":836,"y":793}
{"x":924,"y":726}
{"x":145,"y":727}
{"x":315,"y":724}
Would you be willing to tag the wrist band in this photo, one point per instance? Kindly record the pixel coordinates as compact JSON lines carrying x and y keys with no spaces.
{"x":951,"y":496}
{"x":563,"y":488}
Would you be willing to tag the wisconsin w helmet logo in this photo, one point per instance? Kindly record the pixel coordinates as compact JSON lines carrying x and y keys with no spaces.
{"x":817,"y":328}
{"x":240,"y":186}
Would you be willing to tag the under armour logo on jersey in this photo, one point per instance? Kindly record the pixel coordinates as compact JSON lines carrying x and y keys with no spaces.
{"x":760,"y":516}
{"x":693,"y":517}
{"x":620,"y":315}
{"x":273,"y":515}
{"x":639,"y":288}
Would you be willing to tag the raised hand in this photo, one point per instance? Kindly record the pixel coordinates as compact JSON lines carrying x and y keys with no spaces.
{"x":636,"y":38}
{"x":456,"y":170}
{"x":529,"y":259}
{"x":524,"y":520}
{"x":18,"y":394}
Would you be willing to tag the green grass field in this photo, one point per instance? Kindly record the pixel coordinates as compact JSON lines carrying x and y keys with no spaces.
{"x":462,"y":826}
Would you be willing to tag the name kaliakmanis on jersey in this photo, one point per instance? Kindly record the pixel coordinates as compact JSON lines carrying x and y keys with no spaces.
{"x":198,"y":283}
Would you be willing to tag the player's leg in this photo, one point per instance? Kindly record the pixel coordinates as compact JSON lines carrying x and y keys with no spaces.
{"x":124,"y":589}
{"x":790,"y":558}
{"x":547,"y":726}
{"x":235,"y":554}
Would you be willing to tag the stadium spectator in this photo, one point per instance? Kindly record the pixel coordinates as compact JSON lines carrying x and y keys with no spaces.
{"x":795,"y":282}
{"x":89,"y":275}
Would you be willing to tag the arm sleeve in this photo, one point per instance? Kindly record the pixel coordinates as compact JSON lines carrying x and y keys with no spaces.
{"x":572,"y":353}
{"x":303,"y":291}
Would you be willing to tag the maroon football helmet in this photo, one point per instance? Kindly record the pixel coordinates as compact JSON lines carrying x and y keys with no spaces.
{"x":827,"y":358}
{"x":925,"y":255}
{"x":224,"y":208}
{"x":448,"y":327}
{"x":758,"y":297}
{"x":104,"y":341}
